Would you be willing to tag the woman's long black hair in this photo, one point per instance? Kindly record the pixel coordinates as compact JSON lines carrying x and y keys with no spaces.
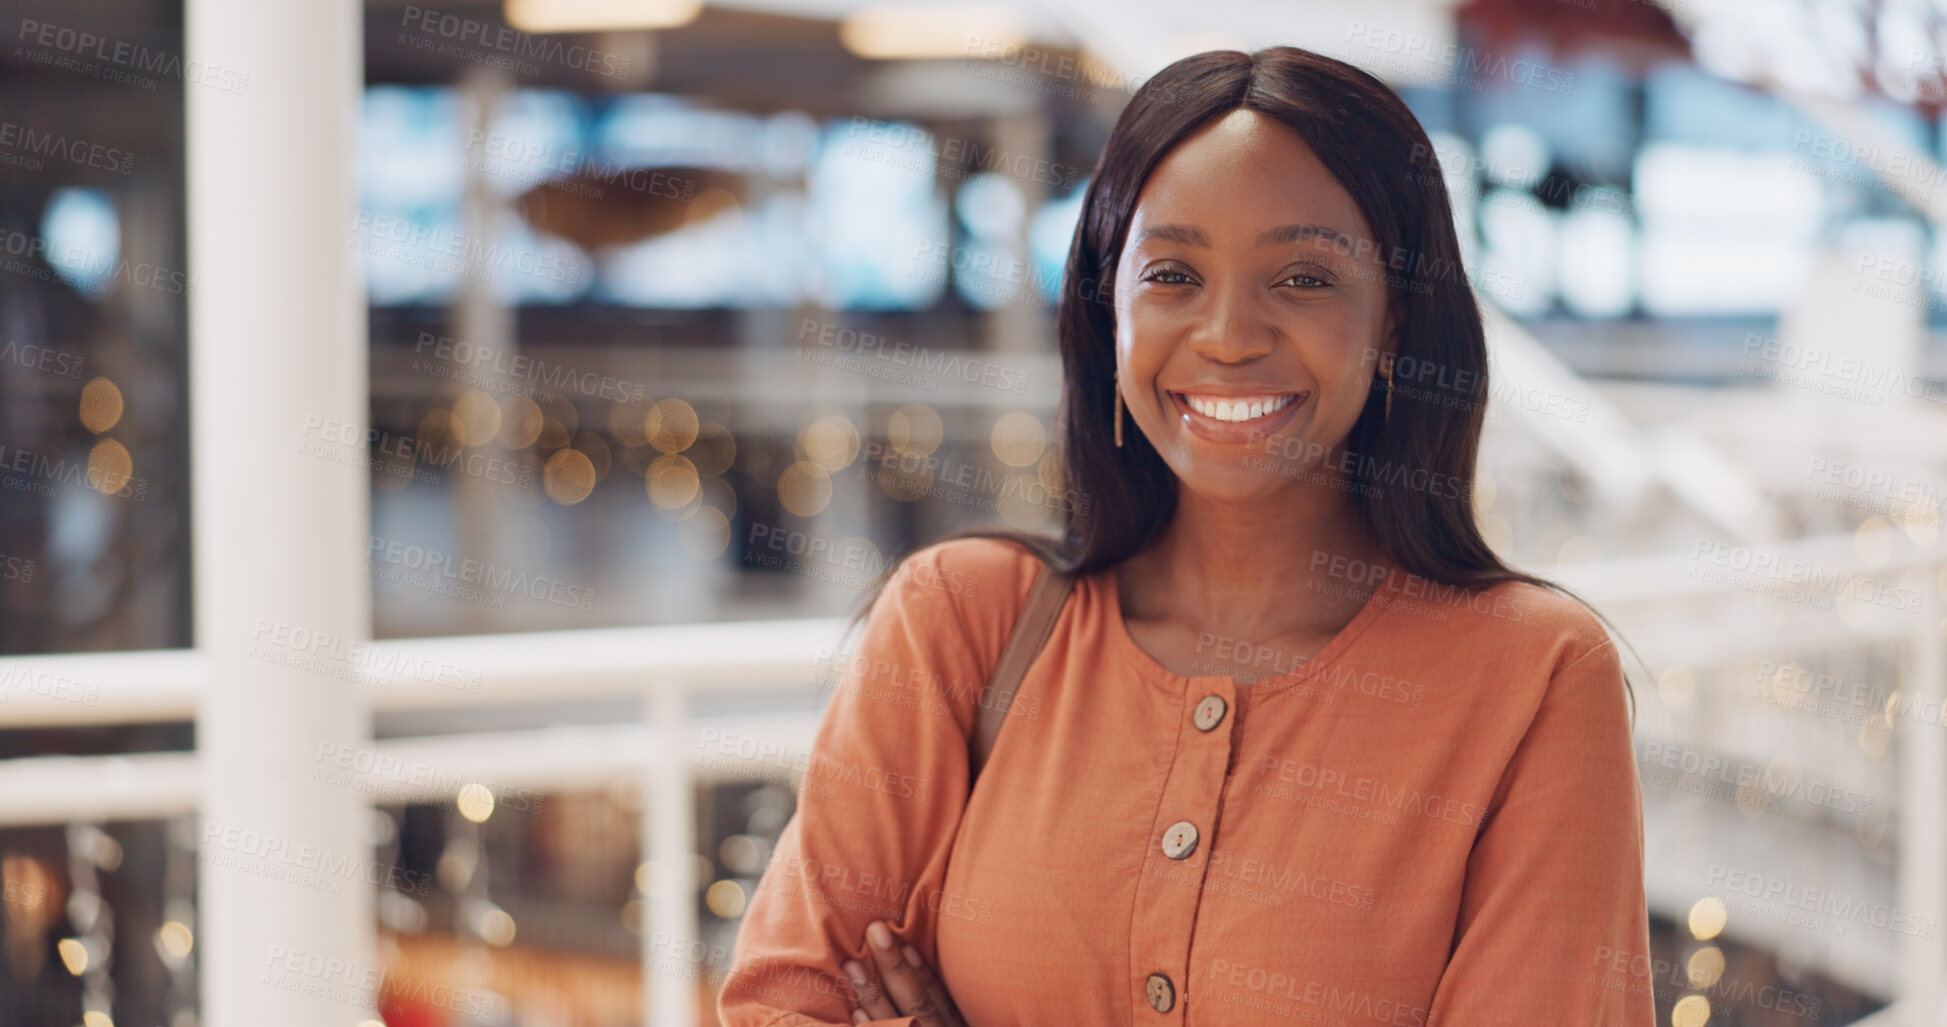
{"x":1373,"y":145}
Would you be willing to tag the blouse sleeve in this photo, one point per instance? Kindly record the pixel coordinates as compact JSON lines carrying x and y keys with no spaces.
{"x":1553,"y":911}
{"x":880,"y":799}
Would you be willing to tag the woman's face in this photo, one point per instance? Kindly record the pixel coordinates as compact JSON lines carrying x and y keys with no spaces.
{"x":1248,"y":279}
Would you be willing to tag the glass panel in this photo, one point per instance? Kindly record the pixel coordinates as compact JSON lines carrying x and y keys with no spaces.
{"x":94,"y":287}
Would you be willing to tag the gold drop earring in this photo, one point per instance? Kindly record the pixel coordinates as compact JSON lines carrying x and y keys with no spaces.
{"x":1389,"y":389}
{"x":1118,"y":409}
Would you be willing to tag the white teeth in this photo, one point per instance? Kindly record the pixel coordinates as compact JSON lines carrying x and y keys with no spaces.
{"x":1241,"y":410}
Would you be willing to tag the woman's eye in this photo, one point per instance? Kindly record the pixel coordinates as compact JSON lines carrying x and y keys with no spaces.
{"x":1160,"y":275}
{"x":1306,"y":281}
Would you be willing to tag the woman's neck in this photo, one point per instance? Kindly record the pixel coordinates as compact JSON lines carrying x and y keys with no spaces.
{"x":1217,"y":564}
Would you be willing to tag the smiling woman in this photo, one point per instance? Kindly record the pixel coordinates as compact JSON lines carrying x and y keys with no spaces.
{"x":1299,"y":745}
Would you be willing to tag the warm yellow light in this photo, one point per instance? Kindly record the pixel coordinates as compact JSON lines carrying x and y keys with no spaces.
{"x":726,"y":899}
{"x":1018,"y":439}
{"x":568,"y":477}
{"x":831,"y":442}
{"x":1707,"y":918}
{"x":599,"y":15}
{"x":96,"y":1018}
{"x":915,"y":429}
{"x":496,"y":927}
{"x":109,"y":466}
{"x":887,"y":31}
{"x":74,"y":955}
{"x":804,"y":488}
{"x":101,"y":405}
{"x":672,"y":482}
{"x":671,"y":425}
{"x":1690,"y":1011}
{"x":1706,"y":966}
{"x":520,"y":422}
{"x":175,"y":939}
{"x":476,"y":418}
{"x":476,"y":801}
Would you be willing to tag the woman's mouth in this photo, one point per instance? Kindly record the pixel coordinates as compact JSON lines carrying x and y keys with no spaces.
{"x":1233,"y":419}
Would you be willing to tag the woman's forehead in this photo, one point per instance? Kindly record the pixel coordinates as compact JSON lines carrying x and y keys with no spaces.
{"x":1239,"y":177}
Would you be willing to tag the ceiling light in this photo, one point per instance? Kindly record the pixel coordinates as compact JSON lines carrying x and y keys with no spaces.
{"x":889,"y":31}
{"x":598,"y":15}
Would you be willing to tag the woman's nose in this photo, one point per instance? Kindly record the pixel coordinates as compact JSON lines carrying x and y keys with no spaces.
{"x":1232,"y":326}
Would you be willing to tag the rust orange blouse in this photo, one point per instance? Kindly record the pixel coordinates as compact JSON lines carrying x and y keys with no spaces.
{"x":1435,"y":820}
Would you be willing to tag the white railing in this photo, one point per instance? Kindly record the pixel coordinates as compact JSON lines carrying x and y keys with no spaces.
{"x":662,"y":668}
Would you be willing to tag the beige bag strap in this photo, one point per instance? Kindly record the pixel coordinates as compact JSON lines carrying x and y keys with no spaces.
{"x":1031,"y":631}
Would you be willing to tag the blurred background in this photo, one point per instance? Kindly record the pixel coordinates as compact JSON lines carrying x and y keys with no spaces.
{"x":439,"y":444}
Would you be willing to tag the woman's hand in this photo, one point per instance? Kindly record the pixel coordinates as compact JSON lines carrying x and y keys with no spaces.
{"x":910,"y":989}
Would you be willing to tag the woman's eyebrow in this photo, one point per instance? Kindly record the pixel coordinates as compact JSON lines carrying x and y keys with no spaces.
{"x":1190,"y":235}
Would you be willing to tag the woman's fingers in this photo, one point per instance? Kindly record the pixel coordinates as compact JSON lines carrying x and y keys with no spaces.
{"x":928,"y":1006}
{"x":931,"y":982}
{"x":874,"y":1003}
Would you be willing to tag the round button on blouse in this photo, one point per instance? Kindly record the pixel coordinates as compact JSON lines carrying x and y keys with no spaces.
{"x":1180,"y":840}
{"x":1210,"y":712}
{"x":1162,"y":994}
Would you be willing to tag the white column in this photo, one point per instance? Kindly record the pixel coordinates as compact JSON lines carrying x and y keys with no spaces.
{"x":278,"y":361}
{"x":670,"y":934}
{"x":1923,"y":814}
